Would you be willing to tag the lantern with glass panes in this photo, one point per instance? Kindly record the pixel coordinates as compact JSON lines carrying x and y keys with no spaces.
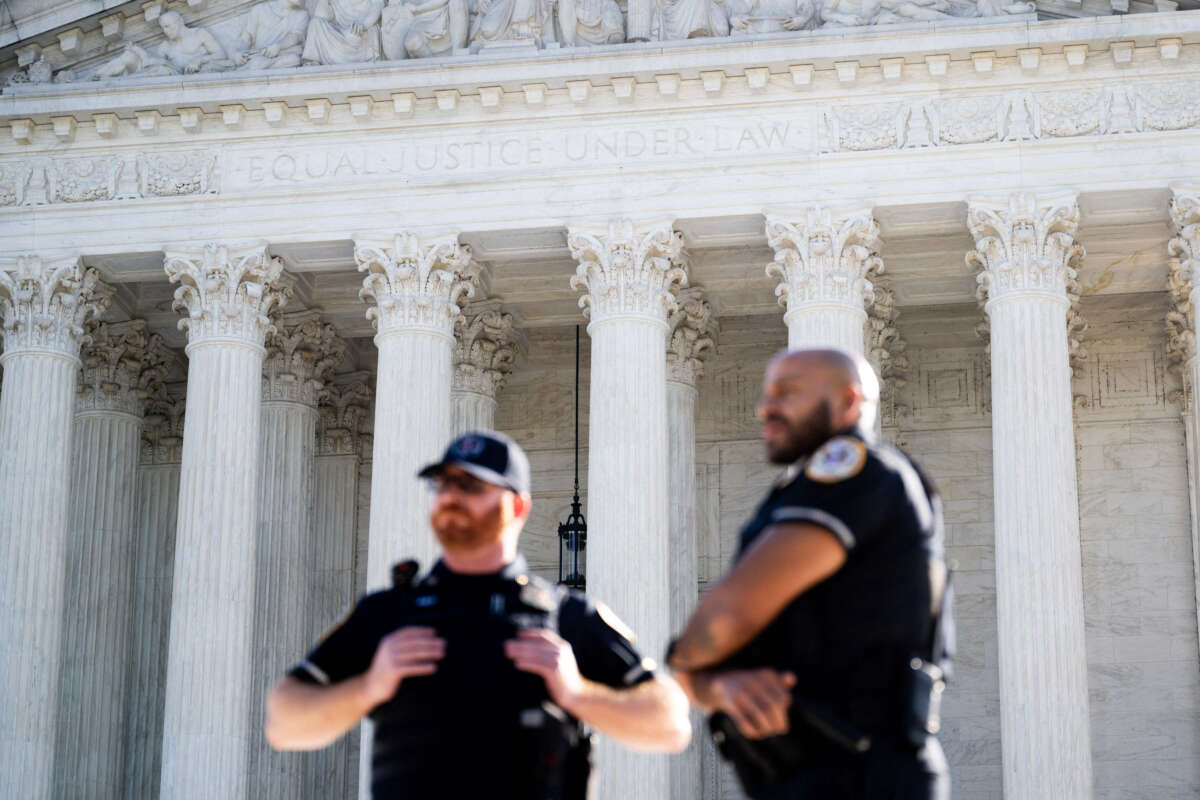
{"x":572,"y":534}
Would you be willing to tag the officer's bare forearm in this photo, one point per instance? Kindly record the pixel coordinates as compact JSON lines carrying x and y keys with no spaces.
{"x":301,"y":716}
{"x":787,"y":560}
{"x":652,"y":716}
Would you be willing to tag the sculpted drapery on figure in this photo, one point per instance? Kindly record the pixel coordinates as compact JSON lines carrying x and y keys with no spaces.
{"x":689,"y":19}
{"x":748,"y":17}
{"x":424,"y":29}
{"x":273,"y":35}
{"x":185,"y":50}
{"x":590,"y":22}
{"x":502,"y":20}
{"x":343,"y":32}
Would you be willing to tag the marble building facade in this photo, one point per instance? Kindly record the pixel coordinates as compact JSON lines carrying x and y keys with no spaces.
{"x":259,"y":260}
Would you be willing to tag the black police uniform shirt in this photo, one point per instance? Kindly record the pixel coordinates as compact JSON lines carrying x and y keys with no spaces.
{"x":850,"y":637}
{"x":471,"y":729}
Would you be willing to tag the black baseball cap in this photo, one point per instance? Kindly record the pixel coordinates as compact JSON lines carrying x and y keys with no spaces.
{"x":492,"y":457}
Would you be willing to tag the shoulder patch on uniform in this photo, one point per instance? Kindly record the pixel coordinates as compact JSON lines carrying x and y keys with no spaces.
{"x":840,"y":458}
{"x":611,"y":619}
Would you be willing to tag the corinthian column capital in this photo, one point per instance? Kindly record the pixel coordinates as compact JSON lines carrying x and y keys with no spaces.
{"x":345,"y":414}
{"x":1184,"y":249}
{"x":416,"y":283}
{"x":302,"y":353}
{"x":1025,"y":243}
{"x":486,"y":345}
{"x":627,"y":269}
{"x":691,"y":341}
{"x":120,"y":362}
{"x":44,"y":303}
{"x":824,"y":256}
{"x":227,"y":291}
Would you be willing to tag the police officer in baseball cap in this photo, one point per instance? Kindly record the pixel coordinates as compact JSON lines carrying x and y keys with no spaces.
{"x":479,"y":676}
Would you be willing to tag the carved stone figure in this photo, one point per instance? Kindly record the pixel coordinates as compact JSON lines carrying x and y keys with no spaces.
{"x":424,"y":29}
{"x":273,"y":35}
{"x":689,"y":19}
{"x":343,"y":32}
{"x":185,"y":50}
{"x":502,"y":20}
{"x":590,"y":22}
{"x":748,"y":17}
{"x":996,"y":8}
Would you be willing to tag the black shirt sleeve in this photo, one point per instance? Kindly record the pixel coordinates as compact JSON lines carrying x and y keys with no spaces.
{"x":603,"y":646}
{"x":854,"y":509}
{"x":347,"y":649}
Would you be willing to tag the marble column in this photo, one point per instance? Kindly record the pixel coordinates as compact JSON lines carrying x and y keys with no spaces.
{"x":417,"y":286}
{"x":485,"y":346}
{"x":1184,"y":249}
{"x":825,"y":261}
{"x":118,"y":365}
{"x":302,"y":353}
{"x":1026,"y":253}
{"x":689,"y":343}
{"x":886,"y":353}
{"x":154,"y":567}
{"x":227,"y":292}
{"x":345,"y":406}
{"x":629,"y":274}
{"x":44,"y":304}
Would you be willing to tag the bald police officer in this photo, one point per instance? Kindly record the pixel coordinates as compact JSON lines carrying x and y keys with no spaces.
{"x":479,"y":675}
{"x":820,"y":655}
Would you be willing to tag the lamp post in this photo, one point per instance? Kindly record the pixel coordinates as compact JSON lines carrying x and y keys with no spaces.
{"x":572,"y":534}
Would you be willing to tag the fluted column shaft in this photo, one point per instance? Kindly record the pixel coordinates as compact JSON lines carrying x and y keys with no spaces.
{"x":416,"y":286}
{"x":97,"y":637}
{"x":302,"y":353}
{"x":472,"y":411}
{"x":333,"y":771}
{"x":629,"y":273}
{"x":1026,"y":250}
{"x":154,"y":562}
{"x":43,"y":306}
{"x":681,"y":449}
{"x":206,"y":726}
{"x":825,"y":260}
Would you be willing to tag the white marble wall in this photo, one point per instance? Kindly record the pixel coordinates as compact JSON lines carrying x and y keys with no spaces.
{"x":1139,"y":595}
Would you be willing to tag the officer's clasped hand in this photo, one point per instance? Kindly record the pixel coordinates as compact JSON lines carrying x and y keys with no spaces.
{"x":545,"y":653}
{"x":402,"y":654}
{"x":757,"y":700}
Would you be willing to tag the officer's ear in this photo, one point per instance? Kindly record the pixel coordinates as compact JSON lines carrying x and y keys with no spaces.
{"x":522,"y":503}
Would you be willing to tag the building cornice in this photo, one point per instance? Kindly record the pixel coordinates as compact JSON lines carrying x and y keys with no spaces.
{"x":893,"y":58}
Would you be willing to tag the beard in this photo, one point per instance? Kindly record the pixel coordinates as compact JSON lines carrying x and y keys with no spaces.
{"x":804,"y":436}
{"x":456,"y":529}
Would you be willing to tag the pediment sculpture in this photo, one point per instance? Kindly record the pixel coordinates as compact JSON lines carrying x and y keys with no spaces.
{"x":343,"y":32}
{"x":275,"y":34}
{"x":185,"y":50}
